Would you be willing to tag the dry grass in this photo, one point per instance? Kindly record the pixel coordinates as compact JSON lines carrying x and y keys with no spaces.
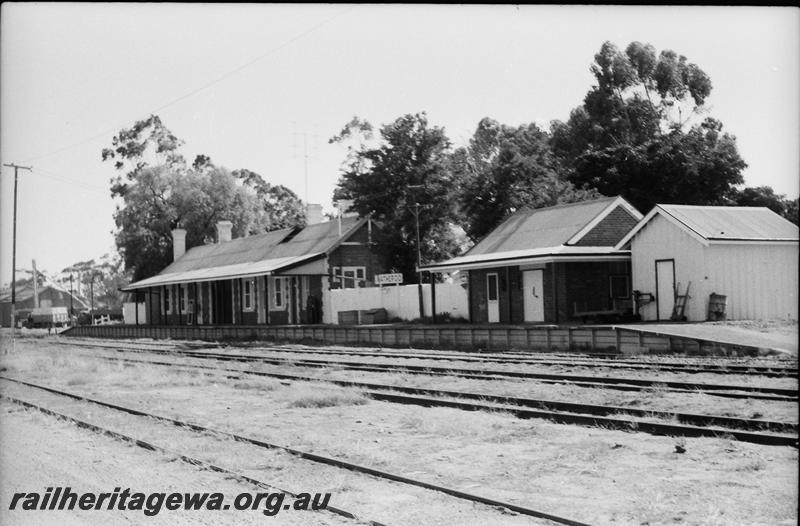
{"x":310,"y":396}
{"x":451,"y":423}
{"x":257,"y":384}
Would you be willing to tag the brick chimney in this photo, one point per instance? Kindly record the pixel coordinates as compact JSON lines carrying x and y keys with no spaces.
{"x":224,"y":231}
{"x":343,"y":206}
{"x":178,"y":243}
{"x":313,"y":214}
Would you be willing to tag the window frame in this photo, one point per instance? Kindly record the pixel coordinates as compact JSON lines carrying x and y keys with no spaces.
{"x":183,"y":293}
{"x":248,"y":294}
{"x":627,"y":282}
{"x":278,"y":292}
{"x":168,"y":299}
{"x":354,"y":279}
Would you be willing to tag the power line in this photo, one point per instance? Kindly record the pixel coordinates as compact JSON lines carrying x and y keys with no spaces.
{"x":14,"y":254}
{"x":204,"y":87}
{"x":45,"y":173}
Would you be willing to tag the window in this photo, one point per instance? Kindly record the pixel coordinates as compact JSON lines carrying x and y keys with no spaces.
{"x":168,"y":300}
{"x":247,"y":294}
{"x":619,"y":286}
{"x":278,"y":293}
{"x":491,"y":287}
{"x":349,"y":277}
{"x":182,"y":297}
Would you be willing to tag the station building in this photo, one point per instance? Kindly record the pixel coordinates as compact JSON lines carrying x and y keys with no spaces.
{"x":276,"y":278}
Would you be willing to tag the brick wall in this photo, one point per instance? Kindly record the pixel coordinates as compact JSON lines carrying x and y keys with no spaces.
{"x":509,"y":283}
{"x":610,"y":230}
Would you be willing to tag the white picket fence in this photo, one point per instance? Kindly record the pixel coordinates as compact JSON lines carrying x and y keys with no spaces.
{"x":400,"y":301}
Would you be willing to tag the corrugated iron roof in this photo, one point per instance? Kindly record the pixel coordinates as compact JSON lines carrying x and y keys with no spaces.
{"x":238,"y":270}
{"x":560,"y":253}
{"x":541,"y":234}
{"x":540,"y":228}
{"x":734,"y":223}
{"x":254,"y":255}
{"x":236,"y":251}
{"x":25,"y":292}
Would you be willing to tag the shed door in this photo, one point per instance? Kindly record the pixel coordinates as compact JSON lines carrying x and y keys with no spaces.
{"x":492,"y":301}
{"x":533,"y":297}
{"x":665,"y":288}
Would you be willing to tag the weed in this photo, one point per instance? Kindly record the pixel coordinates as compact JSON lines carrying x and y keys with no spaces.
{"x":314,"y":397}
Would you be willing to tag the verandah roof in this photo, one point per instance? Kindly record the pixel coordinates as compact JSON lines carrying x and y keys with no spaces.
{"x":530,"y":256}
{"x":240,"y":270}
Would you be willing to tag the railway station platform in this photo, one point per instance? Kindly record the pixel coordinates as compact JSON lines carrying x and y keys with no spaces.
{"x":600,"y":339}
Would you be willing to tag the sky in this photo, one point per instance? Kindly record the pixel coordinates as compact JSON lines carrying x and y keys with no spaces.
{"x":264,"y":87}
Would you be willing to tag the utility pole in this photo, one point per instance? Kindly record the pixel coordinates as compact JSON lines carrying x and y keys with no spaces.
{"x":14,"y":253}
{"x":71,"y":295}
{"x":91,"y":299}
{"x":415,"y":211}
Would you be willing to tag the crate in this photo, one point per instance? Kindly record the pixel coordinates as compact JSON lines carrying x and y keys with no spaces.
{"x":348,"y":317}
{"x":369,"y":317}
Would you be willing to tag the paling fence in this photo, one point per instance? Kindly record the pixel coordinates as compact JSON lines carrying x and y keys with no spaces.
{"x":400,"y":301}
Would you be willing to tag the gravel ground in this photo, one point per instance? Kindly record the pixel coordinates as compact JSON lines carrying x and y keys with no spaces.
{"x":39,"y":451}
{"x":780,"y":335}
{"x":595,"y":475}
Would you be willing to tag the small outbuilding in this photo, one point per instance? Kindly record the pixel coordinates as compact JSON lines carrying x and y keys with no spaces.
{"x":710,"y":262}
{"x":551,"y":265}
{"x":49,"y":296}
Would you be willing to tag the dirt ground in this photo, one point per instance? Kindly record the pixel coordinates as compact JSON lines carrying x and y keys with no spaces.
{"x":656,"y":398}
{"x":776,"y":334}
{"x":590,"y":474}
{"x":39,"y":452}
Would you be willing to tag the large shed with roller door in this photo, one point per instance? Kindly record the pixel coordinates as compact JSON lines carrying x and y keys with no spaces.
{"x":747,"y":257}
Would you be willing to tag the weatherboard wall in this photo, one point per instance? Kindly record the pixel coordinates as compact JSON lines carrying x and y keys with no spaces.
{"x":759,"y":279}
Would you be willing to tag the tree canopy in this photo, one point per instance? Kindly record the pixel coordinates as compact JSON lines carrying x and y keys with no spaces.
{"x":157,"y":198}
{"x":639,"y":132}
{"x":504,"y":169}
{"x":409,"y":166}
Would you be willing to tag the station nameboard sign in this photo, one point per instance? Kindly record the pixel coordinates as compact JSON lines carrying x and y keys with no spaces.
{"x":388,"y":279}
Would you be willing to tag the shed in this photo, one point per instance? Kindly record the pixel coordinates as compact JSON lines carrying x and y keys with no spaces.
{"x":49,"y":296}
{"x":551,"y":265}
{"x":749,"y":255}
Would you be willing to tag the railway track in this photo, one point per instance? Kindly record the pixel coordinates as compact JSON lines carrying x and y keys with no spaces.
{"x":330,"y":461}
{"x":482,"y":374}
{"x":622,"y":384}
{"x":194,"y":461}
{"x":521,"y":358}
{"x":611,"y":417}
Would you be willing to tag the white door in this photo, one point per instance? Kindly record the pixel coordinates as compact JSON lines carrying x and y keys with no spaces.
{"x":492,"y":298}
{"x":665,"y":288}
{"x":533,"y":301}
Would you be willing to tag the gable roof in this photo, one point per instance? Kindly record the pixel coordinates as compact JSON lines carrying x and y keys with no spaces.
{"x":235,"y":251}
{"x":536,"y":233}
{"x":254,"y":255}
{"x":722,"y":224}
{"x":25,"y":292}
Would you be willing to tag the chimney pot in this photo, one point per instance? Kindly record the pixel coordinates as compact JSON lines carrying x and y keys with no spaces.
{"x":178,"y":243}
{"x":224,"y":231}
{"x":343,"y":205}
{"x":313,"y":214}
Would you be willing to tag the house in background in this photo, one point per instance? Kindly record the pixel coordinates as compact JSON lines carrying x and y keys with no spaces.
{"x":276,"y":278}
{"x":49,"y":296}
{"x":749,"y":255}
{"x":551,"y":265}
